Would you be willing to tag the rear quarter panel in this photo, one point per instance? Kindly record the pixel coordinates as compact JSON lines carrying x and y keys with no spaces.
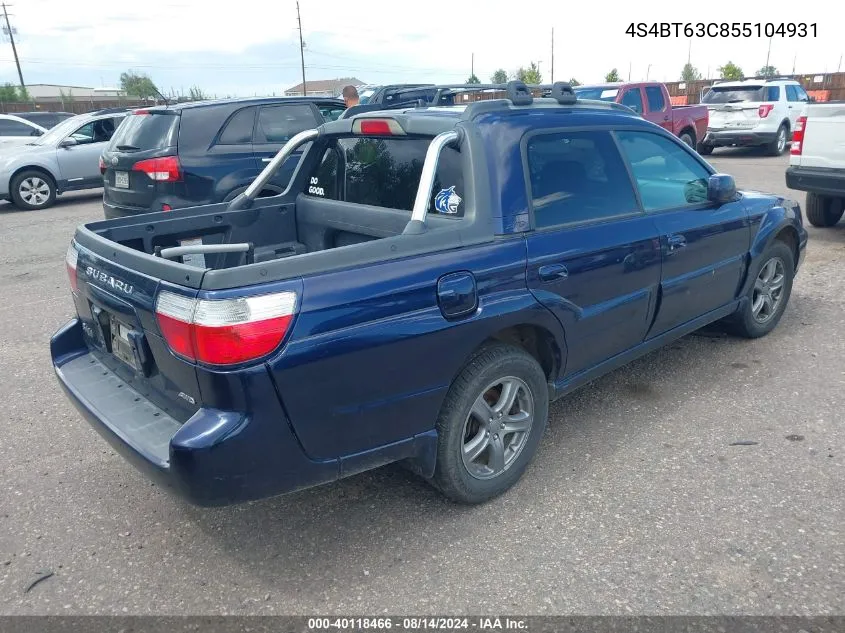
{"x":371,"y":357}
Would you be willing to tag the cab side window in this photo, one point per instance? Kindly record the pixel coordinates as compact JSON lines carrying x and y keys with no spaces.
{"x":577,"y":177}
{"x":667,"y":175}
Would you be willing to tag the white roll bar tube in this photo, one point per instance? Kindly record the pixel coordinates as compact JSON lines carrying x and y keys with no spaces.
{"x":273,"y":166}
{"x":429,"y":170}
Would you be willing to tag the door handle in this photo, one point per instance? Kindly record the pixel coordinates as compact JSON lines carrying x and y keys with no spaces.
{"x":666,"y":118}
{"x":551,"y":272}
{"x":676,"y":242}
{"x":266,"y":160}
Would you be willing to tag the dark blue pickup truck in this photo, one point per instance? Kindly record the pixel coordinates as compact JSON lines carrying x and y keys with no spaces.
{"x":429,"y":281}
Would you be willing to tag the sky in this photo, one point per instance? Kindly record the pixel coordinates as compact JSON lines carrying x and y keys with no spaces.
{"x":251,"y":47}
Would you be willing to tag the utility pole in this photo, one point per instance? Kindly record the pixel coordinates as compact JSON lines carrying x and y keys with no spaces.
{"x":472,"y":66}
{"x":766,"y":68}
{"x":301,"y":48}
{"x":553,"y":54}
{"x":11,"y":33}
{"x":793,"y":63}
{"x":689,"y":51}
{"x":629,"y":71}
{"x":648,"y":70}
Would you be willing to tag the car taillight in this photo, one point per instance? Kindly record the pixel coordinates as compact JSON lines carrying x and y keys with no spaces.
{"x":161,"y":169}
{"x":102,"y":166}
{"x":70,"y":261}
{"x":763,"y":110}
{"x":224,"y":331}
{"x":798,"y":136}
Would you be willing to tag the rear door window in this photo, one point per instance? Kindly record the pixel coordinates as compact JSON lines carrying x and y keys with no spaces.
{"x":773,"y":93}
{"x":386,"y":173}
{"x":577,"y":177}
{"x":9,"y":127}
{"x":331,"y":112}
{"x":656,"y":102}
{"x":791,"y":94}
{"x":238,"y":129}
{"x":278,"y":124}
{"x":146,"y":132}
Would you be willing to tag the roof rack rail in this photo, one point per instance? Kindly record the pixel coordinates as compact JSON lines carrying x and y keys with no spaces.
{"x":518,"y":92}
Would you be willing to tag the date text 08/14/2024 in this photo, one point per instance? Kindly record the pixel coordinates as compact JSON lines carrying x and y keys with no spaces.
{"x":722,"y":29}
{"x":483,"y":624}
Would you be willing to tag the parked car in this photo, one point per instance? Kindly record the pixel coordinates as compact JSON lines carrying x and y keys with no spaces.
{"x":817,"y":161}
{"x":753,"y":112}
{"x":15,"y":130}
{"x":651,"y":100}
{"x":65,"y":158}
{"x":46,"y":120}
{"x":429,"y":280}
{"x":399,"y":93}
{"x":168,"y":157}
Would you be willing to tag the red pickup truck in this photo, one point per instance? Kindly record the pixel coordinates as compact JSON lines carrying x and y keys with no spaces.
{"x":651,"y":100}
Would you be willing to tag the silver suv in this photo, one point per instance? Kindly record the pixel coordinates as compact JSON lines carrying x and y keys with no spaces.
{"x":65,"y":158}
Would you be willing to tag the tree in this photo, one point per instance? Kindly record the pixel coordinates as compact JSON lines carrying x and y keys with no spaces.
{"x":730,"y":71}
{"x":8,"y":93}
{"x":690,"y":73}
{"x":499,"y":77}
{"x":768,"y":71}
{"x":197,"y":94}
{"x":574,"y":82}
{"x":613,"y":75}
{"x":137,"y":85}
{"x":473,"y":79}
{"x":530,"y":75}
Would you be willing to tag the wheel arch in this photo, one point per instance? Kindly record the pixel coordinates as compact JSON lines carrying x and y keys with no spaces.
{"x":34,"y":167}
{"x":775,"y":227}
{"x":689,"y":127}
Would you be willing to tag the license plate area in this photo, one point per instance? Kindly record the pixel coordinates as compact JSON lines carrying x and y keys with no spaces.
{"x":126,"y":344}
{"x":121,"y":179}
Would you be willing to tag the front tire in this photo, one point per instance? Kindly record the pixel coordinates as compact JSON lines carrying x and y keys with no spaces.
{"x":778,"y":145}
{"x":769,"y":295}
{"x":33,"y":189}
{"x":824,"y":211}
{"x":491,"y":424}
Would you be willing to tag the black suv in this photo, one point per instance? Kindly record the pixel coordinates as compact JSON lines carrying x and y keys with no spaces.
{"x":168,"y":157}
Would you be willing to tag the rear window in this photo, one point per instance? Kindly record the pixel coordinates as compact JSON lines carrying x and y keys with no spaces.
{"x":736,"y":94}
{"x":386,"y":173}
{"x":597,"y":94}
{"x":146,"y":131}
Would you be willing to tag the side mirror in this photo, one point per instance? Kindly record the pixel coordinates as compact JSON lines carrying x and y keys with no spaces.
{"x":721,"y":188}
{"x":68,"y":142}
{"x":811,"y":99}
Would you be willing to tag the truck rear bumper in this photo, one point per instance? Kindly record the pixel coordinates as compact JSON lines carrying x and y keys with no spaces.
{"x":215,"y":458}
{"x":826,"y":182}
{"x":723,"y":138}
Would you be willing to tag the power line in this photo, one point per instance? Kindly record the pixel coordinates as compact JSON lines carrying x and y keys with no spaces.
{"x":11,"y":33}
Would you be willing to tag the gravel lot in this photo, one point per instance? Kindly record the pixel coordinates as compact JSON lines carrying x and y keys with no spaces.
{"x":637,"y":503}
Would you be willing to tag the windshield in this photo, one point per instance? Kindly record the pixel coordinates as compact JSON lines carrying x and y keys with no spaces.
{"x":56,"y":134}
{"x":599,"y":94}
{"x":734,"y":94}
{"x":365,"y":95}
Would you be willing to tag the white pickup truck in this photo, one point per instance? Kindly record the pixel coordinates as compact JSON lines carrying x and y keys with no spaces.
{"x":817,"y":161}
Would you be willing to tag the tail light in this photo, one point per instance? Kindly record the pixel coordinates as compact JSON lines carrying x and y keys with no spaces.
{"x":166,"y":207}
{"x":102,"y":166}
{"x":763,"y":110}
{"x":798,"y":136}
{"x":224,"y":331}
{"x":70,"y":261}
{"x":161,"y":169}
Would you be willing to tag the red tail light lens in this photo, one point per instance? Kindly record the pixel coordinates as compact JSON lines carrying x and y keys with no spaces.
{"x":102,"y":166}
{"x":225,"y":331}
{"x":161,"y":169}
{"x":798,"y":136}
{"x":166,"y":207}
{"x":70,"y":261}
{"x":377,"y":127}
{"x":763,"y":110}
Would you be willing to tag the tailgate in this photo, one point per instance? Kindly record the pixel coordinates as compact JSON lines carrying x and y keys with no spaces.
{"x":823,"y":144}
{"x":739,"y":116}
{"x":116,"y":307}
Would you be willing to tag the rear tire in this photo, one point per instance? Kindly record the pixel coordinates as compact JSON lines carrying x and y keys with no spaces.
{"x":778,"y":145}
{"x":769,"y":295}
{"x":491,"y":424}
{"x":688,"y":138}
{"x":705,"y":150}
{"x":824,"y":211}
{"x":33,"y":189}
